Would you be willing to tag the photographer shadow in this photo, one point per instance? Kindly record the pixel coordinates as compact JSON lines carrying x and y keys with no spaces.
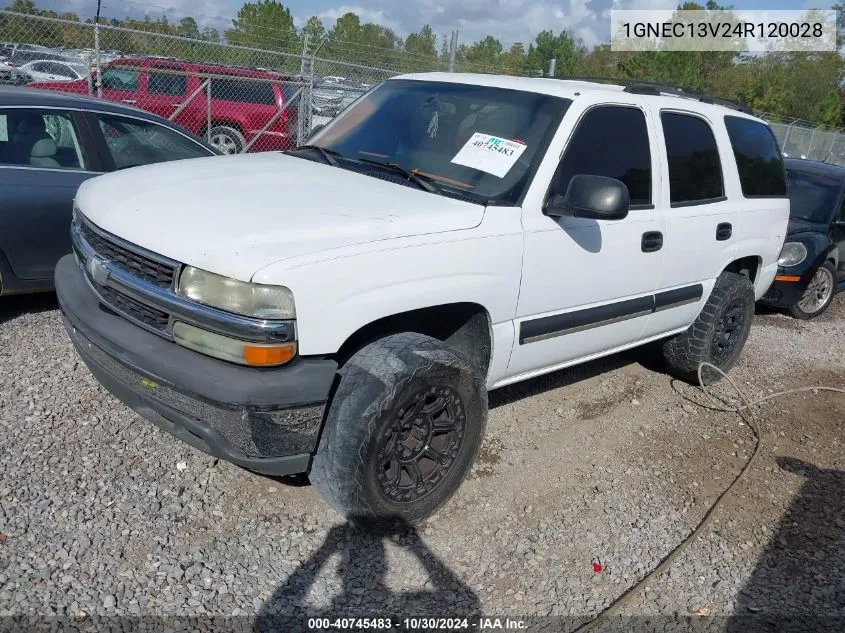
{"x":798,"y":584}
{"x":362,"y":571}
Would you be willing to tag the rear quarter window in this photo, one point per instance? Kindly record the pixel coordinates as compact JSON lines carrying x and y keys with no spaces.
{"x":758,"y":158}
{"x":243,"y":91}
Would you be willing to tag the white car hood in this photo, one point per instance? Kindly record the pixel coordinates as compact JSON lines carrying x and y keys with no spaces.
{"x":233,"y":215}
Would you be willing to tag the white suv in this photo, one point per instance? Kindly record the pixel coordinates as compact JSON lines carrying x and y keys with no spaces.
{"x":342,"y":310}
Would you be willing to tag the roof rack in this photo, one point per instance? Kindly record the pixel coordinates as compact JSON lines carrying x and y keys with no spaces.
{"x":641,"y":87}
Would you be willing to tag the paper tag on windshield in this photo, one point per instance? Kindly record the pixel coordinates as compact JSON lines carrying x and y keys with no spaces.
{"x":490,"y":154}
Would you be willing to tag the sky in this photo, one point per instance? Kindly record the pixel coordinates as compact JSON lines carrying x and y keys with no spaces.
{"x":508,"y":20}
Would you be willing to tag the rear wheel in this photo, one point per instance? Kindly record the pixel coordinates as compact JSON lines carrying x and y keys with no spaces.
{"x":403,"y":429}
{"x":227,"y":139}
{"x":818,"y":295}
{"x":718,"y":334}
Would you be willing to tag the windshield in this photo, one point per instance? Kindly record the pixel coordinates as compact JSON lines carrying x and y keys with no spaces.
{"x":476,"y":141}
{"x":811,"y":197}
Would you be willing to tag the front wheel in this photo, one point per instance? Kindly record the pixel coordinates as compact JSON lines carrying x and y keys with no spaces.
{"x":718,"y":334}
{"x":402,"y":430}
{"x":818,"y":296}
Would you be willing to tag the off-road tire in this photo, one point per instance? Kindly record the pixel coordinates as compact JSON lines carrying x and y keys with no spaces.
{"x":234,"y":140}
{"x":732,"y":298}
{"x":378,"y":387}
{"x":796,"y":310}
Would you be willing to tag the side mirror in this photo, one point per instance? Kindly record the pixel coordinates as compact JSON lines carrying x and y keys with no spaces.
{"x":588,"y":196}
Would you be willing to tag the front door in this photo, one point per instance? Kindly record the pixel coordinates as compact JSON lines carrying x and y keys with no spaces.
{"x":587,"y":285}
{"x":42,"y":163}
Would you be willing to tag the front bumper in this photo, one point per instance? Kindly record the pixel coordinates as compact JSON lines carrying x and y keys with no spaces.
{"x":783,"y":294}
{"x":266,"y":420}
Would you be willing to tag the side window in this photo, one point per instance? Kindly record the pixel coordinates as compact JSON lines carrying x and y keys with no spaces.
{"x":758,"y":158}
{"x":243,"y":91}
{"x":39,"y":138}
{"x":120,"y":79}
{"x":695,"y":171}
{"x":167,"y":84}
{"x":133,"y":142}
{"x":61,"y":70}
{"x":609,"y":141}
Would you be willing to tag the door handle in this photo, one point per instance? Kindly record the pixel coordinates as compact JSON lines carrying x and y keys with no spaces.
{"x":129,"y":101}
{"x":724,"y":231}
{"x":652,"y":241}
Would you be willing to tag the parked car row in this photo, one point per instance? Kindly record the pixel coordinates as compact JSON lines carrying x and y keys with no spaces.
{"x":332,"y":95}
{"x":22,"y":63}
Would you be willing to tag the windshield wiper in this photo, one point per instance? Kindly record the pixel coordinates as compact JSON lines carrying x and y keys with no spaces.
{"x":329,"y":155}
{"x":423,"y":182}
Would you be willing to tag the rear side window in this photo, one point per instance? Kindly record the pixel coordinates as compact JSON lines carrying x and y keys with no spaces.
{"x":695,"y":171}
{"x":243,"y":91}
{"x":167,"y":84}
{"x":134,"y":142}
{"x":609,"y":141}
{"x":758,"y":158}
{"x":290,"y":92}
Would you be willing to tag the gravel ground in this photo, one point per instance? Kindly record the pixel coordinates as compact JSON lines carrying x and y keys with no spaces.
{"x":609,"y":463}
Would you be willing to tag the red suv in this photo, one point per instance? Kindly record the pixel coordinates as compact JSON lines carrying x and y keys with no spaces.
{"x":243,"y":101}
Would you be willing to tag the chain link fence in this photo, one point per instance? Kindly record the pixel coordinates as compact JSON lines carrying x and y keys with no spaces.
{"x":246,"y":98}
{"x":240,"y":98}
{"x":803,"y":139}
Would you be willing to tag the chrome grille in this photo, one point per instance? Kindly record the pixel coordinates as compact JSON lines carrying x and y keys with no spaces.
{"x":140,"y":285}
{"x":132,"y":262}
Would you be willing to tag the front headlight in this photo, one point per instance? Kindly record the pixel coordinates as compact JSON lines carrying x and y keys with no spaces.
{"x":792,"y":254}
{"x":247,"y":299}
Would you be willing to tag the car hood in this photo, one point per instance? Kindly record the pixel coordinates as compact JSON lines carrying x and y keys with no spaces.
{"x":797,"y":225}
{"x":233,"y":215}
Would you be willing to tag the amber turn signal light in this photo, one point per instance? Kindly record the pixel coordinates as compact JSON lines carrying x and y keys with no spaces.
{"x":266,"y":356}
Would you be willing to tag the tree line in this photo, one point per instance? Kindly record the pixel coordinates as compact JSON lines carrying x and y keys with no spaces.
{"x":803,"y":85}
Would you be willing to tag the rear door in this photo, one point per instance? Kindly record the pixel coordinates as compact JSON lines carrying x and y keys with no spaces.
{"x":43,"y":160}
{"x":700,"y":220}
{"x":168,"y":88}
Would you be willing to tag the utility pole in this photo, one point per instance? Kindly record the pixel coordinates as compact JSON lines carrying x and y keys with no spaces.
{"x":98,"y":81}
{"x":453,"y":49}
{"x":552,"y":64}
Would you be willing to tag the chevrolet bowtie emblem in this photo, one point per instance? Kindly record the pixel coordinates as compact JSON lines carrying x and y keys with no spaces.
{"x":98,"y":271}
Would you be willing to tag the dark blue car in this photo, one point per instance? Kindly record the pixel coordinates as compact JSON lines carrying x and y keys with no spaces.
{"x":49,"y":144}
{"x":812,"y":262}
